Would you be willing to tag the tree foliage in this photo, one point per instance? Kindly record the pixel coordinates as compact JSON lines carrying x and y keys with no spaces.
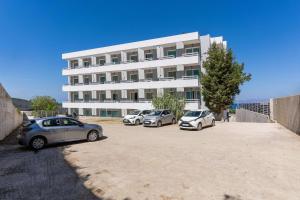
{"x":222,"y":78}
{"x":45,"y":103}
{"x":171,"y":102}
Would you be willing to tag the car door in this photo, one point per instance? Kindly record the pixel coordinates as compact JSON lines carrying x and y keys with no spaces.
{"x":73,"y":129}
{"x":209,"y":118}
{"x":203,"y":118}
{"x":169,"y":117}
{"x":53,"y":130}
{"x":164,"y":117}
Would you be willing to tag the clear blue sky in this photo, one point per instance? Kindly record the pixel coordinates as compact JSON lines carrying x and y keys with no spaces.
{"x":265,"y":35}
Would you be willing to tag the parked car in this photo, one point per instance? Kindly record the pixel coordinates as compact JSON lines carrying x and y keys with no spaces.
{"x":135,"y":117}
{"x":159,"y":117}
{"x":39,"y":132}
{"x":196,"y":119}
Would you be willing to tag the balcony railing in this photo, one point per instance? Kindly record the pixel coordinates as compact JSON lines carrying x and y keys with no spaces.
{"x":133,"y":81}
{"x":122,"y":101}
{"x":134,"y":61}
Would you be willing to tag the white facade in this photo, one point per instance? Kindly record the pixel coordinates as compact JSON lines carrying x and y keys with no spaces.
{"x":110,"y":81}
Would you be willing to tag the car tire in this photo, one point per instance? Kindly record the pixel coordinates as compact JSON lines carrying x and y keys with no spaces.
{"x":137,"y":122}
{"x":93,"y":136}
{"x":173,"y":121}
{"x":159,"y":124}
{"x":199,"y":127}
{"x":213,"y":123}
{"x":37,"y":143}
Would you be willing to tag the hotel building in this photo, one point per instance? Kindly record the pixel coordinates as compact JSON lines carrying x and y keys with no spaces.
{"x":110,"y":81}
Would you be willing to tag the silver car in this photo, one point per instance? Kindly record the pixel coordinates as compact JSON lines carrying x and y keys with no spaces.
{"x":159,"y":117}
{"x":40,"y":132}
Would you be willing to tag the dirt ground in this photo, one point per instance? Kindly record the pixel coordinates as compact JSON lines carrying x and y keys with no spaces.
{"x":231,"y":161}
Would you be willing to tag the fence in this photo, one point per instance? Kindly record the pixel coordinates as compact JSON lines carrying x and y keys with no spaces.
{"x":258,"y":107}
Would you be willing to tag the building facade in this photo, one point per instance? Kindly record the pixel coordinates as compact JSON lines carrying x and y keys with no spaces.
{"x":111,"y":81}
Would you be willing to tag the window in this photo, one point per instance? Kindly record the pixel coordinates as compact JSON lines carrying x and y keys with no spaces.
{"x":192,"y":50}
{"x":172,"y":74}
{"x":149,"y":75}
{"x":115,"y":60}
{"x":149,"y":95}
{"x":74,"y":64}
{"x":51,"y":122}
{"x":148,"y":56}
{"x":134,"y":58}
{"x":69,"y":122}
{"x":146,"y":112}
{"x":193,"y":72}
{"x":172,"y":53}
{"x":115,"y":78}
{"x":74,"y":80}
{"x":101,"y":62}
{"x":134,"y":77}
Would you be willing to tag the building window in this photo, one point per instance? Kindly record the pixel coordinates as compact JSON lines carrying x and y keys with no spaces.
{"x":172,"y":53}
{"x":192,"y":94}
{"x":193,"y":72}
{"x":101,"y":62}
{"x":134,"y":77}
{"x":115,"y":60}
{"x":149,"y":75}
{"x":192,"y":50}
{"x":134,"y":58}
{"x":115,"y":78}
{"x":74,"y":64}
{"x":148,"y":56}
{"x":148,"y":95}
{"x":74,"y":80}
{"x":172,"y":74}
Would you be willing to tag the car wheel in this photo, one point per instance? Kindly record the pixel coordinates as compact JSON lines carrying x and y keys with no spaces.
{"x":199,"y":127}
{"x":159,"y":124}
{"x":213,"y":123}
{"x":93,"y":136}
{"x":137,"y":122}
{"x":173,"y":121}
{"x":37,"y":143}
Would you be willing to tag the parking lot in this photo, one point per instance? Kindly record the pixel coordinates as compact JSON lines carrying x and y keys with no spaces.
{"x":229,"y":161}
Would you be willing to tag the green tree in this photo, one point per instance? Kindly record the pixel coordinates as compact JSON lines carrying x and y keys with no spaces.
{"x":171,"y":102}
{"x":46,"y":104}
{"x":222,"y":78}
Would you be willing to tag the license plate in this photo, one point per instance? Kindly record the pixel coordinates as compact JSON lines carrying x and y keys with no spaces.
{"x":185,"y":124}
{"x":147,"y":122}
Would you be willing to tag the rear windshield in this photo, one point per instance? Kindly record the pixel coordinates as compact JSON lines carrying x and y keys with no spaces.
{"x":29,"y":123}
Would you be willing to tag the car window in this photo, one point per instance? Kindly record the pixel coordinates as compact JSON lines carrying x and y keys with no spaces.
{"x":51,"y":122}
{"x":203,"y":114}
{"x":145,"y":112}
{"x":167,"y":112}
{"x":155,"y":113}
{"x":164,"y":112}
{"x":192,"y":114}
{"x":69,"y":122}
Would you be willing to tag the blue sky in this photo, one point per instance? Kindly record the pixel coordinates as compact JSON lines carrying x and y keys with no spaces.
{"x":33,"y":35}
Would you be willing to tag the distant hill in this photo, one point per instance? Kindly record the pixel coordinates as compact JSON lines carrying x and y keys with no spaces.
{"x":22,"y":104}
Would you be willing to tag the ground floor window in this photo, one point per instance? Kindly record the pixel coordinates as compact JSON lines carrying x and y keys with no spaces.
{"x":87,"y":112}
{"x":109,"y":112}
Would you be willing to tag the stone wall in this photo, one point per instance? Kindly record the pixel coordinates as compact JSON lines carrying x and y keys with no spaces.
{"x":286,"y":111}
{"x":10,"y":117}
{"x":243,"y":115}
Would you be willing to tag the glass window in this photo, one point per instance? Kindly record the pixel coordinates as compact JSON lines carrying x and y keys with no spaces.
{"x":149,"y":95}
{"x":149,"y":56}
{"x":145,"y":112}
{"x":51,"y":122}
{"x":134,"y":77}
{"x":115,"y":78}
{"x":172,"y":74}
{"x":192,"y":114}
{"x":172,"y":53}
{"x":149,"y":75}
{"x":69,"y":122}
{"x":115,"y":60}
{"x":134,"y":58}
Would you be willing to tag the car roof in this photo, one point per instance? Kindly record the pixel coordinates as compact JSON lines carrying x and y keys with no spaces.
{"x":199,"y":110}
{"x":52,"y":117}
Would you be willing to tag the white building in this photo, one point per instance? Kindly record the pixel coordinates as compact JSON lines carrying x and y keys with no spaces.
{"x":110,"y":81}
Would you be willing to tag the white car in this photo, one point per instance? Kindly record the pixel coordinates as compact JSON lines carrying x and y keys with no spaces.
{"x":196,"y":119}
{"x":135,"y":117}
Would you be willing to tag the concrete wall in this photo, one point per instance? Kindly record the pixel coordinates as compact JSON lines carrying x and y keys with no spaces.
{"x":286,"y":111}
{"x":10,"y":118}
{"x":243,"y":115}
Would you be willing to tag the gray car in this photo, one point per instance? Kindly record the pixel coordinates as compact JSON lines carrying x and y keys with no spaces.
{"x":159,"y":117}
{"x":40,"y":132}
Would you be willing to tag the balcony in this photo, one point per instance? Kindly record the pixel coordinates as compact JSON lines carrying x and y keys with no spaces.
{"x":123,"y":104}
{"x":167,"y":82}
{"x":185,"y":59}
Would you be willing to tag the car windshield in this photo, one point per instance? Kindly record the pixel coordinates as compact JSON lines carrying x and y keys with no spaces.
{"x":155,"y":113}
{"x":134,"y":112}
{"x":192,"y":114}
